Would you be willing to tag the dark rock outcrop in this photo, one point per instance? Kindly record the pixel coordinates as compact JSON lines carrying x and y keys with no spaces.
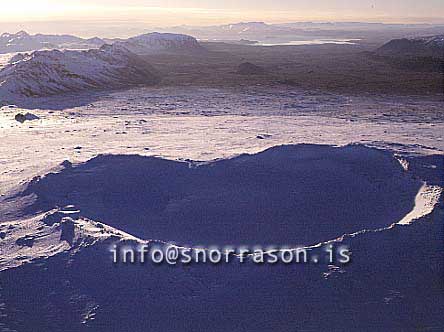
{"x":247,"y":68}
{"x":25,"y":117}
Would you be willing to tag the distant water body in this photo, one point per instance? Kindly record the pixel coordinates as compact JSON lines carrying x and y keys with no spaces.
{"x":310,"y":42}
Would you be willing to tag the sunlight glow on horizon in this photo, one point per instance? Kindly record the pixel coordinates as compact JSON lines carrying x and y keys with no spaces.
{"x":167,"y":13}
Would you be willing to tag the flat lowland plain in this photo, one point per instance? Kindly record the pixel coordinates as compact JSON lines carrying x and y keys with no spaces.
{"x":349,"y":69}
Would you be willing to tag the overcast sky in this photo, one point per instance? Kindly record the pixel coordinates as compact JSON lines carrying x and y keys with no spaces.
{"x":201,"y":12}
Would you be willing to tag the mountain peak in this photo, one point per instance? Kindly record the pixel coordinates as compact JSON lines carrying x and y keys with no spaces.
{"x":156,"y":42}
{"x":22,"y":33}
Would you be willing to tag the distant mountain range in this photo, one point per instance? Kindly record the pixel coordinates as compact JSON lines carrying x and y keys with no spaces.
{"x":49,"y":72}
{"x":23,"y":42}
{"x":146,"y":43}
{"x":291,"y":31}
{"x":60,"y":69}
{"x":234,"y":31}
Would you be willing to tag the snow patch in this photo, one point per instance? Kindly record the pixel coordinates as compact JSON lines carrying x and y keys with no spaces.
{"x":425,"y":202}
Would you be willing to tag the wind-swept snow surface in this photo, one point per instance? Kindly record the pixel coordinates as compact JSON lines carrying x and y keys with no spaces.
{"x":299,"y":195}
{"x":44,"y":73}
{"x":155,"y":165}
{"x":267,"y":197}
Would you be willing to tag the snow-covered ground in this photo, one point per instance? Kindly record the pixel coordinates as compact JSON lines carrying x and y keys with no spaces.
{"x":206,"y":124}
{"x":4,"y":59}
{"x":382,"y":197}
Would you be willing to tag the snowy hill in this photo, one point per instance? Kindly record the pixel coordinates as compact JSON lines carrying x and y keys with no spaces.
{"x":422,"y":46}
{"x":162,"y":42}
{"x":44,"y":73}
{"x":50,"y":72}
{"x":23,"y":42}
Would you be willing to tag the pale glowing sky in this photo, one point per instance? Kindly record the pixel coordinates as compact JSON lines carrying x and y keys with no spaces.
{"x":204,"y":12}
